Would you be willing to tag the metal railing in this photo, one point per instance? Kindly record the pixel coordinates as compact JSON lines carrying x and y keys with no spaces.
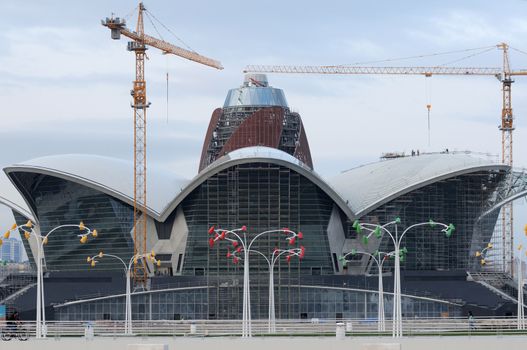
{"x":313,"y":327}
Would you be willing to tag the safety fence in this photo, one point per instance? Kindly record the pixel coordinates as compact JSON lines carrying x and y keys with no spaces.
{"x":313,"y":327}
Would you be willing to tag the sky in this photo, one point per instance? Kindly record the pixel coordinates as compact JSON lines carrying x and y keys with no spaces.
{"x":65,"y":84}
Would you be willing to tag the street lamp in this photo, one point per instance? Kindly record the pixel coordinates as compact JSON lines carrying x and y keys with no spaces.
{"x":521,"y":283}
{"x":379,"y":258}
{"x":42,"y":240}
{"x":243,"y":244}
{"x":397,"y":326}
{"x":482,"y":255}
{"x":127,"y":271}
{"x":271,"y":261}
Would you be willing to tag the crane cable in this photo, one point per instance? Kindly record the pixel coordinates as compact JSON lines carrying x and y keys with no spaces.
{"x":428,"y":92}
{"x":420,"y":56}
{"x":166,"y":59}
{"x":170,"y":31}
{"x":466,"y":57}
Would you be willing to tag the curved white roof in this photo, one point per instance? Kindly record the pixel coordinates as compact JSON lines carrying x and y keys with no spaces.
{"x":369,"y":186}
{"x":10,"y":197}
{"x":252,"y":155}
{"x":109,"y":175}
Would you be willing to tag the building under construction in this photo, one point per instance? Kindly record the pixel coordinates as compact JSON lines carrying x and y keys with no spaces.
{"x":256,"y":171}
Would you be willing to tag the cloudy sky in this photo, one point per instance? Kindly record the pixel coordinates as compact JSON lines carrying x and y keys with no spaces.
{"x":64,"y":85}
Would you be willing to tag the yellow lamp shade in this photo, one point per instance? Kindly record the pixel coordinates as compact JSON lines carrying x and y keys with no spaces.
{"x":94,"y":233}
{"x":1,"y":242}
{"x":158,"y":263}
{"x":29,"y":224}
{"x":135,"y":260}
{"x":45,"y":240}
{"x":84,"y":239}
{"x":81,"y":226}
{"x":14,"y":226}
{"x":478,"y":254}
{"x":153,"y":253}
{"x":525,"y":229}
{"x":27,"y":235}
{"x":101,"y":254}
{"x":7,"y":234}
{"x":483,"y":262}
{"x":93,"y":262}
{"x":88,"y":259}
{"x":489,"y":245}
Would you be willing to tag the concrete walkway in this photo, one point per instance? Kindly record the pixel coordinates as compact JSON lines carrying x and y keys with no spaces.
{"x":273,"y":343}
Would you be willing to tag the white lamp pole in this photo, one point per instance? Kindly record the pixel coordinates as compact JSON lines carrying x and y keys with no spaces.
{"x":381,"y":326}
{"x":128,"y":274}
{"x":397,"y":327}
{"x":243,"y":245}
{"x":520,"y":312}
{"x":271,"y":261}
{"x":27,"y":228}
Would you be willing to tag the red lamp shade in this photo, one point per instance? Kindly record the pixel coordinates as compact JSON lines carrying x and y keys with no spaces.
{"x":211,"y":242}
{"x":235,"y":260}
{"x":286,"y":230}
{"x":211,"y":230}
{"x":292,"y":241}
{"x":238,"y":250}
{"x":229,"y":254}
{"x":234,"y":244}
{"x":288,"y":259}
{"x":302,"y":252}
{"x":222,"y":235}
{"x":275,"y":250}
{"x":300,"y":235}
{"x":244,"y":228}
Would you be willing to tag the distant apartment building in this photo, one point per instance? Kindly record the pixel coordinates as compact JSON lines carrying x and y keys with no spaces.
{"x":11,"y":250}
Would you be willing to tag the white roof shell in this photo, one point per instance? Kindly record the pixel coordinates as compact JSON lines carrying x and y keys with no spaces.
{"x":369,"y":186}
{"x":253,"y":155}
{"x":108,"y":175}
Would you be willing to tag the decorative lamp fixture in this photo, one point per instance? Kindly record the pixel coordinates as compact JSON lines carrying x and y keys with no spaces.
{"x":377,"y":232}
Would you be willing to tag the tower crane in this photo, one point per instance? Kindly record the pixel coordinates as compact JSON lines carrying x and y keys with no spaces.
{"x":139,"y":44}
{"x":504,"y":75}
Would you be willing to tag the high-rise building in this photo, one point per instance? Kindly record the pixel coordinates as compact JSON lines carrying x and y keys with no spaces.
{"x":11,"y":250}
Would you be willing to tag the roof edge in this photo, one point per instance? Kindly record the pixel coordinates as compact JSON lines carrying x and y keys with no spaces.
{"x":77,"y":179}
{"x":443,"y":176}
{"x":213,"y":169}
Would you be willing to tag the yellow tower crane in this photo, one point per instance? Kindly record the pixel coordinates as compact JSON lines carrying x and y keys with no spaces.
{"x":139,"y":44}
{"x":503,"y":74}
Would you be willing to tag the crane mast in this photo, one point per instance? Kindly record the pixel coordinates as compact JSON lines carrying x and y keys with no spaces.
{"x":506,"y":127}
{"x":504,"y":75}
{"x":140,"y":104}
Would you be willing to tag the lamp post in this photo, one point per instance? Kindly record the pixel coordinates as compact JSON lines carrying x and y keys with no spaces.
{"x":243,"y":244}
{"x":127,"y":271}
{"x":271,"y":261}
{"x":397,"y":327}
{"x":482,"y":255}
{"x":381,"y":326}
{"x":41,"y":241}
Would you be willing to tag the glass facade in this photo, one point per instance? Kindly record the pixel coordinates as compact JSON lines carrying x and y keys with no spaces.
{"x":56,"y":201}
{"x":458,"y":200}
{"x":321,"y":303}
{"x":263,"y":197}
